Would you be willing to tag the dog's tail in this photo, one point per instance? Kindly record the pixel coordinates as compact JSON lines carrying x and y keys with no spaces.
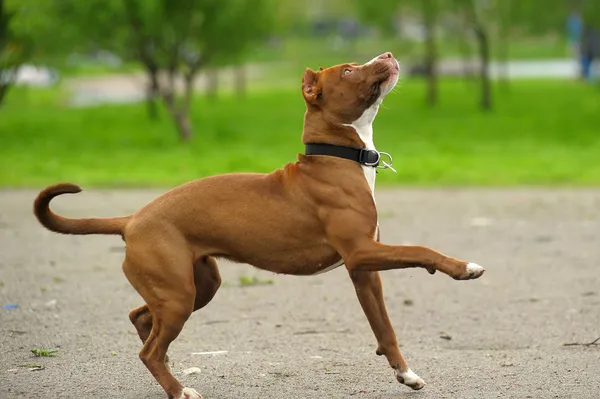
{"x":59,"y":224}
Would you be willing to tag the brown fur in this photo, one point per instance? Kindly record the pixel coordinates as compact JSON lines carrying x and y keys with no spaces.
{"x":296,"y":220}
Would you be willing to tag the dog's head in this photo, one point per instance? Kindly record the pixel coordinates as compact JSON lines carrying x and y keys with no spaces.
{"x":349,"y":94}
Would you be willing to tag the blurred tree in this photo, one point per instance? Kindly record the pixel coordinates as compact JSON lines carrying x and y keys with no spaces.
{"x":181,"y":37}
{"x":430,"y":9}
{"x":173,"y":40}
{"x":479,"y":13}
{"x":382,"y":13}
{"x":504,"y":13}
{"x":538,"y":17}
{"x":480,"y":17}
{"x":15,"y":46}
{"x":591,"y":13}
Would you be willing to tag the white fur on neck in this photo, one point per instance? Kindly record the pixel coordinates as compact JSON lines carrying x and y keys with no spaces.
{"x":364,"y":128}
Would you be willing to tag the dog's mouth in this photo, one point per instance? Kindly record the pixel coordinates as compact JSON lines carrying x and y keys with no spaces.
{"x":387,"y":71}
{"x":389,"y":77}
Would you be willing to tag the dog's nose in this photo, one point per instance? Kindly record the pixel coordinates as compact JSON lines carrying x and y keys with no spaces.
{"x":386,"y":56}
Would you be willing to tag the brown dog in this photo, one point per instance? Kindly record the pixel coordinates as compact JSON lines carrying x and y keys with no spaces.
{"x":307,"y":218}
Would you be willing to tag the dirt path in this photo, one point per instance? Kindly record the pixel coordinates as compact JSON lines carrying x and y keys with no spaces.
{"x":307,"y":337}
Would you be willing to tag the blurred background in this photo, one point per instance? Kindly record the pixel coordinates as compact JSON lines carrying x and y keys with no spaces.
{"x":159,"y":92}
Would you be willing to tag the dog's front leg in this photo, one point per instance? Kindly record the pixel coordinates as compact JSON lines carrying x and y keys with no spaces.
{"x":360,"y":249}
{"x":370,"y":255}
{"x":370,"y":295}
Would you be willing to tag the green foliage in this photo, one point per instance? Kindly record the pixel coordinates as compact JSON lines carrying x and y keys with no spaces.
{"x":175,"y":38}
{"x":591,"y":13}
{"x":15,"y":45}
{"x":538,"y":17}
{"x":541,"y":132}
{"x":219,"y":30}
{"x":379,"y":13}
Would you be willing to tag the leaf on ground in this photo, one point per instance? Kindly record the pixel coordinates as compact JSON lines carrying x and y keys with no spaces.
{"x":246,"y":281}
{"x":44,"y":352}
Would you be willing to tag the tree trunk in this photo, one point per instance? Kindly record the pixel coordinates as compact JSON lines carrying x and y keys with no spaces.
{"x":240,"y":82}
{"x":484,"y":72}
{"x":152,"y":91}
{"x":182,"y":116}
{"x":465,"y":49}
{"x":504,"y":43}
{"x":179,"y":110}
{"x":184,"y":126}
{"x":466,"y":59}
{"x":212,"y":83}
{"x":8,"y":76}
{"x":3,"y":91}
{"x":429,"y":15}
{"x":503,"y":52}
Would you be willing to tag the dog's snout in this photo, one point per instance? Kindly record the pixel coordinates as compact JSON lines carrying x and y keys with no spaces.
{"x":386,"y":56}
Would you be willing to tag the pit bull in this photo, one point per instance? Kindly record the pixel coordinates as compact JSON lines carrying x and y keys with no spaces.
{"x":307,"y":218}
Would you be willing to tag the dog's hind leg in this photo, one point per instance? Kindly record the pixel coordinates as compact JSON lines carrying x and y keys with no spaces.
{"x":166,"y":282}
{"x":370,"y":295}
{"x":206,"y":279}
{"x":141,"y":318}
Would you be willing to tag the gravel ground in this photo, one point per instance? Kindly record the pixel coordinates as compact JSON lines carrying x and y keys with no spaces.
{"x":500,"y":336}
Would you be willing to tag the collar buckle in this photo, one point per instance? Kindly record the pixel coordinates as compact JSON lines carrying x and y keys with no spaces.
{"x":369,"y":157}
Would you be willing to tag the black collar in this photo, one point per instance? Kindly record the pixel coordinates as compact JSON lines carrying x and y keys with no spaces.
{"x":362,"y":156}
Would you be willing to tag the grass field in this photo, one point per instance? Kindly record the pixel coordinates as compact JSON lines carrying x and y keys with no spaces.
{"x":540,"y":133}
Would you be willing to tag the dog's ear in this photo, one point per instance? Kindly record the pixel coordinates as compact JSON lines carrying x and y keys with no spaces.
{"x":310,"y":85}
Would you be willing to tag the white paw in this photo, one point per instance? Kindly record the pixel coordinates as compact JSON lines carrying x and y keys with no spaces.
{"x":189,"y":393}
{"x":472,"y":271}
{"x":409,"y":378}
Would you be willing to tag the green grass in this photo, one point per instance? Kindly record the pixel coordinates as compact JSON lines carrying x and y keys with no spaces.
{"x":540,"y":133}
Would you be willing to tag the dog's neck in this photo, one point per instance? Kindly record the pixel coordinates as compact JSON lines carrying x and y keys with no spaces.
{"x":358,"y":134}
{"x":363,"y":126}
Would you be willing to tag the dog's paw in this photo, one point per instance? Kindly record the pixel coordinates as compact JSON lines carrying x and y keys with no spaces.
{"x":410,"y":379}
{"x":472,"y":271}
{"x":190,"y":393}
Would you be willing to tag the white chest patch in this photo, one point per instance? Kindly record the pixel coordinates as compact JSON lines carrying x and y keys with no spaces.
{"x":370,"y":174}
{"x":364,"y":129}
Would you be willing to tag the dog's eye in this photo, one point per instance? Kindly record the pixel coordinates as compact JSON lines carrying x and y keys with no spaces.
{"x":347,"y":72}
{"x":375,"y":87}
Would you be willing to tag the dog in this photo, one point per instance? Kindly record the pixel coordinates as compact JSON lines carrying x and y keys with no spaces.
{"x":307,"y":218}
